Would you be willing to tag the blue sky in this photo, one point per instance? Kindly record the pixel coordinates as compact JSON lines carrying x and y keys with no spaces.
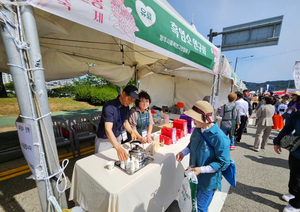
{"x":268,"y":63}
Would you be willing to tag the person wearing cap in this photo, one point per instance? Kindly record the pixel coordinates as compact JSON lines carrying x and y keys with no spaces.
{"x":208,"y":159}
{"x":140,"y":118}
{"x":282,"y":105}
{"x":114,"y":123}
{"x":293,"y":106}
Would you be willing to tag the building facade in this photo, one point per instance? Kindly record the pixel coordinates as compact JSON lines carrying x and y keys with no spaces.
{"x":6,"y":78}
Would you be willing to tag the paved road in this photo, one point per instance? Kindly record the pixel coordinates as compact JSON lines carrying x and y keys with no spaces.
{"x":262,"y":179}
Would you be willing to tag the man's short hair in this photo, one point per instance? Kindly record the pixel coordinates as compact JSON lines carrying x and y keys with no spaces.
{"x":246,"y":90}
{"x":239,"y":94}
{"x":232,"y":97}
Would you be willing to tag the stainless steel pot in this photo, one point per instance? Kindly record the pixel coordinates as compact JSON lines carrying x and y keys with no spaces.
{"x":137,"y":151}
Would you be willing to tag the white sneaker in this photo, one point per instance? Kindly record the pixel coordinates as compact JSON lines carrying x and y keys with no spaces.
{"x":290,"y":208}
{"x":288,"y":196}
{"x":255,"y":149}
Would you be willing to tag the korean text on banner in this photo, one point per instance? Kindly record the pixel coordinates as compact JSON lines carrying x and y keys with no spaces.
{"x":26,"y":142}
{"x":133,"y":21}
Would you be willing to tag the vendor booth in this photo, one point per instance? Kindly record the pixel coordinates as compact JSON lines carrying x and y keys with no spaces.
{"x":125,"y":38}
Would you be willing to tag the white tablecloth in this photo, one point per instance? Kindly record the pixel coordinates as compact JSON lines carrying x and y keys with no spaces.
{"x":152,"y":188}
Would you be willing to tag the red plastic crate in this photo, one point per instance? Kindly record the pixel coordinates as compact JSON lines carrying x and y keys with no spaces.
{"x":170,"y":132}
{"x":167,"y":140}
{"x":179,"y":133}
{"x":180,"y":124}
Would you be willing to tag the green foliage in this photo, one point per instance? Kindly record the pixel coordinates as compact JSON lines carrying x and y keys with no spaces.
{"x":11,"y":95}
{"x":9,"y":86}
{"x":87,"y":81}
{"x":131,"y":82}
{"x":100,"y":96}
{"x":66,"y":91}
{"x":93,"y":81}
{"x":83,"y":93}
{"x":95,"y":95}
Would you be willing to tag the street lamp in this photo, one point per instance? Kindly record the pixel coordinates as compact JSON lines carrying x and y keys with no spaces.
{"x":236,"y":60}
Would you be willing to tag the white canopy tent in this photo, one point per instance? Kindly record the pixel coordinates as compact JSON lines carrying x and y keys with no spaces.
{"x":70,"y":35}
{"x":188,"y":85}
{"x":121,"y":37}
{"x":73,"y":36}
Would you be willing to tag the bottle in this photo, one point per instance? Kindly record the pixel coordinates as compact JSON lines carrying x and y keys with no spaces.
{"x":158,"y":119}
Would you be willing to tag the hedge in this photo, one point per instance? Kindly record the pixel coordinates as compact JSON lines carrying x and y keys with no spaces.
{"x":95,"y":95}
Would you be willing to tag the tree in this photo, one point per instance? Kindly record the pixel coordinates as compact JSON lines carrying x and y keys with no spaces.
{"x":2,"y":88}
{"x":10,"y":86}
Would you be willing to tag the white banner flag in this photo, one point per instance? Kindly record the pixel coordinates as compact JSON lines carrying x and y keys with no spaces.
{"x":296,"y":74}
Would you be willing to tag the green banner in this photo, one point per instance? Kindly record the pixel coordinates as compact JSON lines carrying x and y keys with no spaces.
{"x":158,"y":27}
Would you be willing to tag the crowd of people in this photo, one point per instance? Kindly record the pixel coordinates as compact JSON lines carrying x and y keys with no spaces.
{"x":209,"y":147}
{"x":236,"y":113}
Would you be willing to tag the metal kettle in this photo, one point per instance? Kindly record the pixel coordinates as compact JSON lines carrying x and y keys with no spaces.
{"x":137,"y":151}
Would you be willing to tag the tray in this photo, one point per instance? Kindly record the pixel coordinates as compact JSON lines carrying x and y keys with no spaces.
{"x":146,"y":161}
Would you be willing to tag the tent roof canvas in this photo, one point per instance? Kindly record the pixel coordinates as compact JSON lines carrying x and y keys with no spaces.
{"x":70,"y":34}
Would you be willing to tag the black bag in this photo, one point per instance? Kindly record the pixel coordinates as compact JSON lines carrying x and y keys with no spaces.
{"x":290,"y":142}
{"x":285,"y":115}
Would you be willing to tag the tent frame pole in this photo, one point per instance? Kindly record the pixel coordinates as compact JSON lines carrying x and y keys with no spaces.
{"x":17,"y":53}
{"x":30,"y":30}
{"x":136,"y":76}
{"x":217,"y":86}
{"x":24,"y":96}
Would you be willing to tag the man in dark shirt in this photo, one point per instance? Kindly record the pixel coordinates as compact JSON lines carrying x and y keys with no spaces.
{"x":246,"y":98}
{"x":114,"y":123}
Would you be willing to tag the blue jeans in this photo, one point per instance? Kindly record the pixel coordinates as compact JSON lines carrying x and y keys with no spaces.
{"x":204,"y":199}
{"x":227,"y":131}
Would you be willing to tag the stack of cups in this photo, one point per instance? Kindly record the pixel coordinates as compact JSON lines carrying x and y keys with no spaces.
{"x":132,"y":166}
{"x":137,"y":164}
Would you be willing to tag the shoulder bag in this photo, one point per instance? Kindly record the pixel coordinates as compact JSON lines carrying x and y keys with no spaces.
{"x":290,"y":142}
{"x":230,"y":172}
{"x":232,"y":120}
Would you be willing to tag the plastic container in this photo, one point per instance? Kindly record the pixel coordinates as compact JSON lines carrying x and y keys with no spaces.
{"x":180,"y":105}
{"x":190,"y":123}
{"x":166,"y":119}
{"x":181,"y":110}
{"x":167,"y":140}
{"x":170,"y":132}
{"x":179,"y":133}
{"x":181,"y":124}
{"x":190,"y":130}
{"x":158,"y":119}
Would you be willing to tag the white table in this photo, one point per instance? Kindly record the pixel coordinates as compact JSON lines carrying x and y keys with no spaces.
{"x":152,"y":188}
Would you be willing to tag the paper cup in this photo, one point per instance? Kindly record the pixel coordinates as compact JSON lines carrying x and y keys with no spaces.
{"x":110,"y":165}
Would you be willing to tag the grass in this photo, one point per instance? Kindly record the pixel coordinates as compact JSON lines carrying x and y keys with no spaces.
{"x":10,"y":107}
